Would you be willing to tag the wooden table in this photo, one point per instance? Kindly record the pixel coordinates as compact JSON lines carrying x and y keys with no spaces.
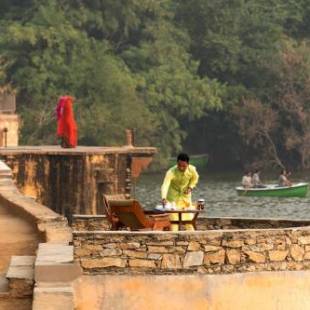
{"x":179,"y":221}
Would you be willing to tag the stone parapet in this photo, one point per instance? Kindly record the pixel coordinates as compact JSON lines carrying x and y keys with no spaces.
{"x":52,"y":226}
{"x":72,"y":181}
{"x":221,"y":251}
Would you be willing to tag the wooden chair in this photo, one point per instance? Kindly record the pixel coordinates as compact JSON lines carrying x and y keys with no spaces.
{"x":131,"y":214}
{"x":112,"y":218}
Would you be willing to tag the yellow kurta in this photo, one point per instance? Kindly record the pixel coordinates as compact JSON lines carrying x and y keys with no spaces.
{"x":176,"y":182}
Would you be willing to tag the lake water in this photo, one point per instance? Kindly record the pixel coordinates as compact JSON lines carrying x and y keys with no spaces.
{"x":222,"y":200}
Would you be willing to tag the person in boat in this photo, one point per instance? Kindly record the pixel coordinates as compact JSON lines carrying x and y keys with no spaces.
{"x":247,"y":179}
{"x":66,"y":125}
{"x":177,"y":187}
{"x":256,"y":182}
{"x":283,"y":179}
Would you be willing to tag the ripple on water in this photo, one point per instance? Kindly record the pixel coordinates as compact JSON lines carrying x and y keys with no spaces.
{"x":223,"y":201}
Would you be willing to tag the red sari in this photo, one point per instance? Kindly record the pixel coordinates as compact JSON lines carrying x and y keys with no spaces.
{"x":66,"y":125}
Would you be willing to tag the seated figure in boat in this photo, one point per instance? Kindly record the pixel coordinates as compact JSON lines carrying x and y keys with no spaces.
{"x":257,"y":183}
{"x":247,"y":179}
{"x":283,"y":179}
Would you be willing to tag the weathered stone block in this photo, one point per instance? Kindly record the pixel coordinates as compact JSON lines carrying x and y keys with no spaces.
{"x":297,"y":252}
{"x":215,"y":257}
{"x":256,"y":257}
{"x":211,"y":248}
{"x":304,"y":240}
{"x":104,"y":262}
{"x":171,"y":261}
{"x":233,"y":243}
{"x":181,"y":243}
{"x":136,"y":254}
{"x":158,"y":249}
{"x":178,"y":249}
{"x":142,"y":263}
{"x":111,"y":252}
{"x":129,"y":245}
{"x":250,"y":241}
{"x":233,"y":256}
{"x":193,"y":259}
{"x":154,"y":256}
{"x":277,"y":256}
{"x":193,"y":246}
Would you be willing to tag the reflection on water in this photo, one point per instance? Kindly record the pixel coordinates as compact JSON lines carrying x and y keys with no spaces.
{"x":222,"y":200}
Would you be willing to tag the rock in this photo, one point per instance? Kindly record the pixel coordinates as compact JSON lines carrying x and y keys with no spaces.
{"x":232,"y":243}
{"x":171,"y":261}
{"x":277,"y":256}
{"x":304,"y":240}
{"x":158,"y":249}
{"x":103,"y":262}
{"x":136,"y":254}
{"x":255,"y":257}
{"x":193,"y":259}
{"x":211,"y":248}
{"x":297,"y":252}
{"x":215,"y":257}
{"x":233,"y":256}
{"x":111,"y":252}
{"x":193,"y":246}
{"x":250,"y":241}
{"x":154,"y":256}
{"x":143,"y":263}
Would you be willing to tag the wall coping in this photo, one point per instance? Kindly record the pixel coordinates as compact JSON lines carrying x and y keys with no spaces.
{"x":205,"y":216}
{"x":196,"y":232}
{"x":79,"y":150}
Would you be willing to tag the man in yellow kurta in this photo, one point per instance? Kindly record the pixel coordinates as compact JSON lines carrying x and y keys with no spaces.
{"x":178,"y":185}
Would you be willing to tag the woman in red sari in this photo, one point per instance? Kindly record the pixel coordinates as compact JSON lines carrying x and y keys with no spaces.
{"x":66,"y":125}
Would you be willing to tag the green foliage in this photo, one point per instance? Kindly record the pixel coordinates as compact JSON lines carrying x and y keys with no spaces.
{"x":174,"y":70}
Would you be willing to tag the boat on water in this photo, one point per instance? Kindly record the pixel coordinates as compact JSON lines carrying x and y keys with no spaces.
{"x":273,"y":190}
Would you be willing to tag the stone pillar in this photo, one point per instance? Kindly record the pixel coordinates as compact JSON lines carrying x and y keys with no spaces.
{"x":129,"y":137}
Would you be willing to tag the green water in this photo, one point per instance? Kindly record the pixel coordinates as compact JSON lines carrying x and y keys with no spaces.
{"x":222,"y":200}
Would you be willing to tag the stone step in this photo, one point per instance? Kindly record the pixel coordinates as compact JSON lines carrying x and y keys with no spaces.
{"x":53,"y":298}
{"x":55,"y":263}
{"x":20,"y":276}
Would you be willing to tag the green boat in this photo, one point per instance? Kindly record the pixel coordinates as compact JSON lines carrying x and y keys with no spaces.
{"x":273,"y":190}
{"x":199,"y":160}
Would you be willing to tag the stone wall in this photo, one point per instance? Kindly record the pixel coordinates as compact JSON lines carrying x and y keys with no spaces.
{"x":212,"y":251}
{"x":71,"y":181}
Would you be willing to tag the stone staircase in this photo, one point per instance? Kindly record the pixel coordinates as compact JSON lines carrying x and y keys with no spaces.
{"x":55,"y":270}
{"x":16,"y":287}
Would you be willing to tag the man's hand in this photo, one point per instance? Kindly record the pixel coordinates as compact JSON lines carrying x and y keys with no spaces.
{"x":164,"y":201}
{"x":188,"y":190}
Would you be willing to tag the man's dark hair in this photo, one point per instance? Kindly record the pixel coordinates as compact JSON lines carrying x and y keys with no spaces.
{"x":183,"y":157}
